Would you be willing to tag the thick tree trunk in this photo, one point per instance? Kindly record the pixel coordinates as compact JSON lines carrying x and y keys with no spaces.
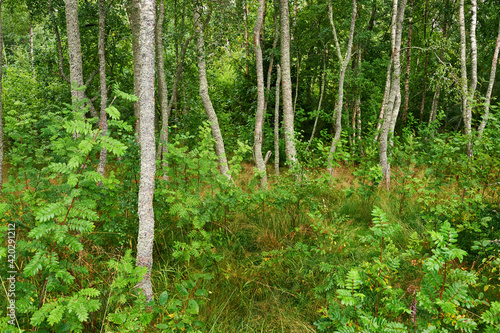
{"x":92,"y":110}
{"x":102,"y":79}
{"x":490,"y":86}
{"x":344,"y":63}
{"x":1,"y":116}
{"x":277,"y":123}
{"x":162,"y":89}
{"x":205,"y":97}
{"x":259,"y":116}
{"x":394,"y":101}
{"x":135,"y":22}
{"x":288,"y":116}
{"x":147,"y":180}
{"x":74,"y":50}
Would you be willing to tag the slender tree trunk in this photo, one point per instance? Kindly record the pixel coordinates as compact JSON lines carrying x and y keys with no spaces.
{"x":259,"y":116}
{"x":426,"y":62}
{"x":394,"y":101}
{"x":435,"y":99}
{"x":344,"y":63}
{"x":467,"y":116}
{"x":162,"y":88}
{"x":135,"y":22}
{"x":32,"y":57}
{"x":147,"y":107}
{"x":271,"y":60}
{"x":245,"y":20}
{"x":1,"y":116}
{"x":277,"y":123}
{"x":490,"y":86}
{"x":385,"y":99}
{"x":288,"y":116}
{"x":408,"y":67}
{"x":102,"y":79}
{"x":473,"y":83}
{"x":205,"y":97}
{"x":74,"y":50}
{"x":321,"y":94}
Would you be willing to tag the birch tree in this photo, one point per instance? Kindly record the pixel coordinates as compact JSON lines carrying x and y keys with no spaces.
{"x":277,"y":123}
{"x":162,"y":87}
{"x":487,"y":100}
{"x":391,"y":108}
{"x":102,"y":79}
{"x":344,"y":62}
{"x":288,"y":116}
{"x":468,"y":93}
{"x":205,"y":97}
{"x":259,"y":116}
{"x":147,"y":144}
{"x":74,"y":50}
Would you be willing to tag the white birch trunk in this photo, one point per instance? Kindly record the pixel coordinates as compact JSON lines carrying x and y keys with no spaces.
{"x":277,"y":123}
{"x":162,"y":89}
{"x":394,"y":101}
{"x":490,"y":86}
{"x":102,"y":78}
{"x":205,"y":97}
{"x":466,"y":110}
{"x":74,"y":50}
{"x":340,"y":99}
{"x":288,"y":116}
{"x":148,"y":168}
{"x":259,"y":116}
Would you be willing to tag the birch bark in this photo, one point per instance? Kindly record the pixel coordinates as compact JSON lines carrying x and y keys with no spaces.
{"x":259,"y":116}
{"x":288,"y":116}
{"x":74,"y":50}
{"x":394,"y":101}
{"x":344,"y":62}
{"x":277,"y":123}
{"x":205,"y":97}
{"x":147,"y":180}
{"x":490,"y":86}
{"x":102,"y":79}
{"x":162,"y":88}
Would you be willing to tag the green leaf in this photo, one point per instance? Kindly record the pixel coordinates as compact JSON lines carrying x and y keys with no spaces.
{"x":163,"y":298}
{"x":56,"y":315}
{"x":193,"y":307}
{"x":113,"y":112}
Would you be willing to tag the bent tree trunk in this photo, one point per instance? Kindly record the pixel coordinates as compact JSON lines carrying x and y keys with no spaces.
{"x":344,"y":61}
{"x":391,"y":109}
{"x":205,"y":97}
{"x":259,"y":116}
{"x":147,"y":180}
{"x":490,"y":86}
